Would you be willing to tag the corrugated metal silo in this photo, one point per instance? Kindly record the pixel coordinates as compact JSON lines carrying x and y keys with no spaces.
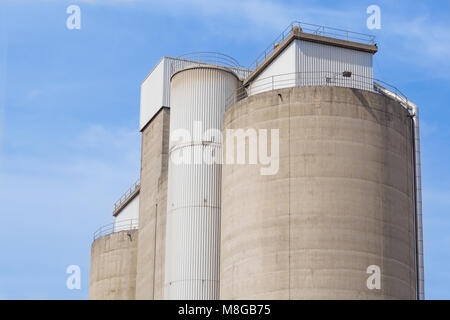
{"x":198,"y":96}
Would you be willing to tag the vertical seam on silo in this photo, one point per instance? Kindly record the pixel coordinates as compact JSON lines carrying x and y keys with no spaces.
{"x":289,"y":176}
{"x":416,"y":256}
{"x":289,"y":181}
{"x":154,"y":250}
{"x":409,"y":216}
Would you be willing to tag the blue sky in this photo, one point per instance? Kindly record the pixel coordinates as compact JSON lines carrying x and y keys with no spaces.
{"x":69,"y":108}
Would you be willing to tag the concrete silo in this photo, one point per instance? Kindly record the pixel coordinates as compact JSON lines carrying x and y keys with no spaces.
{"x":342,"y":203}
{"x":197,"y":96}
{"x":113,"y":266}
{"x":114,"y":251}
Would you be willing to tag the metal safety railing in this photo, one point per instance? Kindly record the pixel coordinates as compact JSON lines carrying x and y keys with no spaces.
{"x":211,"y":58}
{"x":314,"y":78}
{"x":208,"y":58}
{"x":315,"y":30}
{"x":116,"y":226}
{"x":126,"y":196}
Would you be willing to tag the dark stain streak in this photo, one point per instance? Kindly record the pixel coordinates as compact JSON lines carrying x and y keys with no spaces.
{"x":364,"y":102}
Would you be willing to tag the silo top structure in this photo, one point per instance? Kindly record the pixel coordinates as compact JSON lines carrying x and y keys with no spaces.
{"x":126,"y":209}
{"x":306,"y":55}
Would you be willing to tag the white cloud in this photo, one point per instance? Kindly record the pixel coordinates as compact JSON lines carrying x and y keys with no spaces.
{"x":415,"y":40}
{"x":428,"y":129}
{"x":423,"y":37}
{"x":34,"y":93}
{"x":3,"y":70}
{"x":90,"y":172}
{"x":101,"y":1}
{"x":109,"y":139}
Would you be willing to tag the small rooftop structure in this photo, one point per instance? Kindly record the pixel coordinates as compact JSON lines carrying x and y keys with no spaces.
{"x":126,"y":198}
{"x":311,"y":33}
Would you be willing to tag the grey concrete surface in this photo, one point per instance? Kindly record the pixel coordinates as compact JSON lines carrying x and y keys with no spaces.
{"x":152,"y":207}
{"x":113,"y":266}
{"x":341,"y":201}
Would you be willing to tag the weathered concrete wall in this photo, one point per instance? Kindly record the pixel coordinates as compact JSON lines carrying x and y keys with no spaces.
{"x":113,"y":266}
{"x":341,"y":201}
{"x":152,"y":208}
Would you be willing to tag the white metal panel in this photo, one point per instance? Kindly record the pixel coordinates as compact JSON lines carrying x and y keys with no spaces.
{"x":305,"y":63}
{"x":315,"y":59}
{"x":207,"y":105}
{"x":130,"y":213}
{"x":193,"y":231}
{"x":194,"y":189}
{"x":155,"y":89}
{"x":152,"y":93}
{"x":282,"y":67}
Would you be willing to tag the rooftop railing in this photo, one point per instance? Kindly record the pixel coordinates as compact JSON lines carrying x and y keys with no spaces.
{"x":118,"y":205}
{"x":305,"y":79}
{"x":315,"y":30}
{"x":117,"y":226}
{"x":209,"y":57}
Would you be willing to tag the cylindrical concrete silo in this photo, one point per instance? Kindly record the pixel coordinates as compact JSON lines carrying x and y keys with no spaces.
{"x":113,"y":266}
{"x":197,"y":96}
{"x":341,"y":202}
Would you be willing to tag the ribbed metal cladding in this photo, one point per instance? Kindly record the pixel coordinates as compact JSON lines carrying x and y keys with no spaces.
{"x":198,"y":95}
{"x":313,"y":57}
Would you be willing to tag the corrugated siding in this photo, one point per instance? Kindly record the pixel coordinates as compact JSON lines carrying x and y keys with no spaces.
{"x":241,"y":73}
{"x":194,"y":190}
{"x":171,"y":66}
{"x":318,"y":59}
{"x":155,"y":89}
{"x":305,"y":63}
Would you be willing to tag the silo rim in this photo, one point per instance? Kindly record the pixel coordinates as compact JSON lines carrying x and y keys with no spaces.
{"x":204,"y":66}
